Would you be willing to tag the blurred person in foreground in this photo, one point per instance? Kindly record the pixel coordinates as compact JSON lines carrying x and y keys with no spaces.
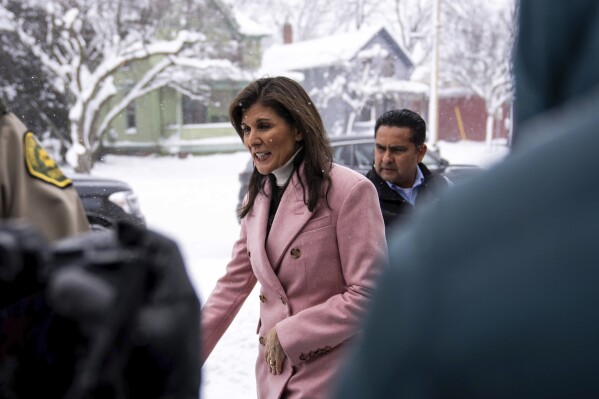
{"x":108,"y":314}
{"x":85,"y":314}
{"x":311,"y":233}
{"x":32,"y":186}
{"x":34,"y":192}
{"x":494,"y":290}
{"x":402,"y":181}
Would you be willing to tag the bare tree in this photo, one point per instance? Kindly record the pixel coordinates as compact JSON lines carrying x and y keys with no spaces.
{"x":309,"y":19}
{"x":315,"y":18}
{"x":23,"y":82}
{"x":355,"y":14}
{"x":478,"y":56}
{"x":411,"y":22}
{"x":83,"y":46}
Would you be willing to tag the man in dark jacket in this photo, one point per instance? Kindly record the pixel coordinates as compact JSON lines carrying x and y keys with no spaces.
{"x":401,"y":179}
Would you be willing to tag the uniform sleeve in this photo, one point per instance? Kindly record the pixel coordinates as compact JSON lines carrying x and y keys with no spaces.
{"x":362,"y":248}
{"x":55,"y":210}
{"x":228,"y":296}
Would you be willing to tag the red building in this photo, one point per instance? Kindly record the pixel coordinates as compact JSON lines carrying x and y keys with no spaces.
{"x":464,"y":117}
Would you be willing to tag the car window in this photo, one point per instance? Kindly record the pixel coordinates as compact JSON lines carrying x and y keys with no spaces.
{"x":433,"y":162}
{"x":342,"y":154}
{"x":429,"y":160}
{"x":364,"y":155}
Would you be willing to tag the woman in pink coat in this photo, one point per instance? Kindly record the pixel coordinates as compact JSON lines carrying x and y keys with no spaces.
{"x":311,"y":233}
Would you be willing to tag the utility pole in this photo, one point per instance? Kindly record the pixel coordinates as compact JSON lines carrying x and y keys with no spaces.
{"x":433,"y":99}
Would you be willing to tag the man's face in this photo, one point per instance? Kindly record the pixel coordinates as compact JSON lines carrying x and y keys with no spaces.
{"x":395,"y":156}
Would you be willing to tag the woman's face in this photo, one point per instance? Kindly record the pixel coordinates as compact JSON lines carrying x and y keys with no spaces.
{"x":269,"y":138}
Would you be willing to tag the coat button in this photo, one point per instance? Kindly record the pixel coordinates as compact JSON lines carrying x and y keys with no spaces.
{"x":283,"y":301}
{"x":262,"y":341}
{"x":262,"y":298}
{"x":302,"y":357}
{"x":295,"y":253}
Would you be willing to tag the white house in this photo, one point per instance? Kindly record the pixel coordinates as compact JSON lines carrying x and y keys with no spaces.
{"x":352,"y":77}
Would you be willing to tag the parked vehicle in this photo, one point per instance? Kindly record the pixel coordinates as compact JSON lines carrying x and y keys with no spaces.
{"x":107,"y":201}
{"x":357,"y":153}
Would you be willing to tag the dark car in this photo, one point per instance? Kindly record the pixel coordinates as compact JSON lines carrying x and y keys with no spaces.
{"x":107,"y":201}
{"x":357,"y":153}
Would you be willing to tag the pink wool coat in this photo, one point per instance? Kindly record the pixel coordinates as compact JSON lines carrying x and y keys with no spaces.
{"x":317,"y":271}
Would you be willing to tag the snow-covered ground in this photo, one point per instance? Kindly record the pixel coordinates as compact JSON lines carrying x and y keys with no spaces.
{"x":193,"y":200}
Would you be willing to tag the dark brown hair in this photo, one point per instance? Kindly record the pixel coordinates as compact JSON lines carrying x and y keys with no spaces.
{"x":291,"y":102}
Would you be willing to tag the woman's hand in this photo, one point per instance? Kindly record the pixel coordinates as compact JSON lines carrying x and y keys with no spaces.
{"x":273,"y":352}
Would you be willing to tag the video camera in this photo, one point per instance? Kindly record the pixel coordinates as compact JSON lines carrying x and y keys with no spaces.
{"x":107,"y":314}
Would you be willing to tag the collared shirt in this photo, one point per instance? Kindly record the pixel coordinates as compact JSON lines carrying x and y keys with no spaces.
{"x":409,"y":194}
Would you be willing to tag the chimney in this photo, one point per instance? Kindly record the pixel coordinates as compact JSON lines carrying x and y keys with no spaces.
{"x":287,"y":33}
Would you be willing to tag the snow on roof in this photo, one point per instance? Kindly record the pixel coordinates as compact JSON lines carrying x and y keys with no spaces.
{"x":317,"y":52}
{"x":405,"y":86}
{"x":456,"y":91}
{"x":249,"y":27}
{"x":421,"y":73}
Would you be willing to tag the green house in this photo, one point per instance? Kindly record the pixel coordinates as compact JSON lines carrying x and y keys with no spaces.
{"x":170,"y":120}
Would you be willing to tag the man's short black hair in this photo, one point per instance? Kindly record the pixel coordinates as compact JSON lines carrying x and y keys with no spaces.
{"x":404,"y":118}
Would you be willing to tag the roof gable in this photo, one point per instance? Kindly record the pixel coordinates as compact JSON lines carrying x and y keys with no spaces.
{"x":326,"y":51}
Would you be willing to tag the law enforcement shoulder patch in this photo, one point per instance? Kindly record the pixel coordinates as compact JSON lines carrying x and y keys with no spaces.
{"x":41,"y":165}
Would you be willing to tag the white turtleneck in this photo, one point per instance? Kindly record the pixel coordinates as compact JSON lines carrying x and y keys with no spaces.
{"x":283,"y":173}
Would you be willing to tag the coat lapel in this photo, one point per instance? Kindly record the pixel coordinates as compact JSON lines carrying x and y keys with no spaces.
{"x":291,"y":217}
{"x":256,"y":238}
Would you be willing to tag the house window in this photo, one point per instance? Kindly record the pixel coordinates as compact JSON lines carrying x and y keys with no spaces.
{"x":194,"y":111}
{"x":388,"y":67}
{"x":130,"y":112}
{"x":218,"y":111}
{"x":219,"y":118}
